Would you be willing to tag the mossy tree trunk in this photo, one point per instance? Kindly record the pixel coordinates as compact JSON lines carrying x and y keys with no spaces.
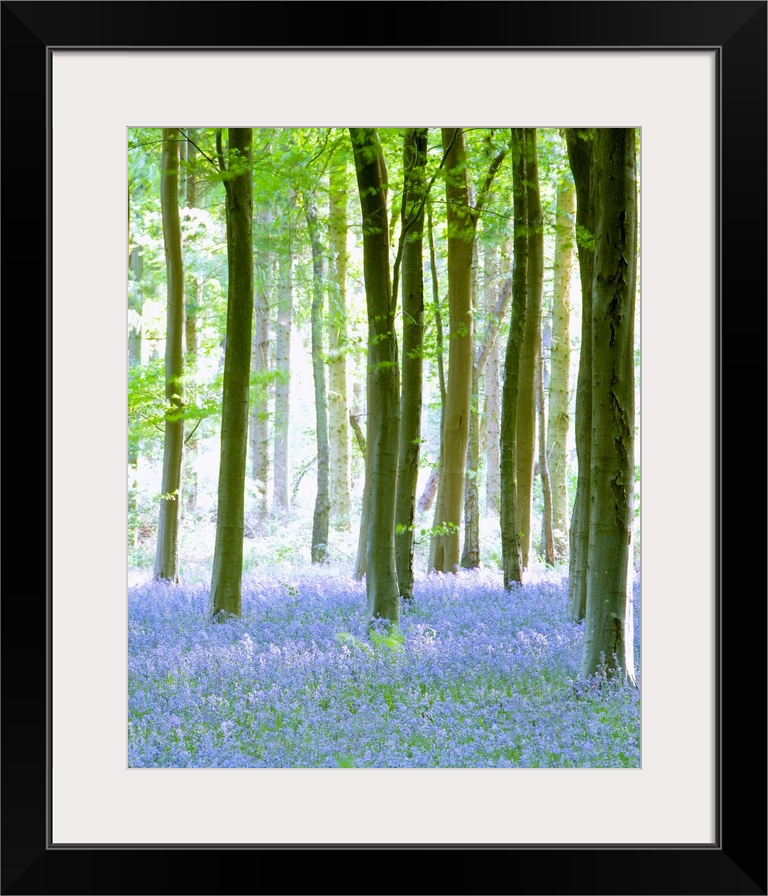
{"x":526,"y":400}
{"x":382,"y":588}
{"x":580,"y":143}
{"x":444,"y":545}
{"x":492,"y":407}
{"x":166,"y":557}
{"x":511,"y":536}
{"x":414,"y":164}
{"x":608,"y":630}
{"x":558,"y":419}
{"x":226,"y":577}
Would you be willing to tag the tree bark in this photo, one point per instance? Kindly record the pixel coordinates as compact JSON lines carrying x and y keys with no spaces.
{"x":558,"y":421}
{"x":548,"y":544}
{"x":322,"y":512}
{"x":166,"y":557}
{"x":226,"y":577}
{"x":470,"y":553}
{"x":429,"y":493}
{"x":511,"y":537}
{"x":194,"y":300}
{"x":384,"y":389}
{"x":259,"y":412}
{"x":580,"y":143}
{"x":492,"y":409}
{"x":526,"y":401}
{"x":280,"y":490}
{"x":608,"y":630}
{"x":444,"y":545}
{"x":414,"y":164}
{"x":135,"y":306}
{"x":338,"y":423}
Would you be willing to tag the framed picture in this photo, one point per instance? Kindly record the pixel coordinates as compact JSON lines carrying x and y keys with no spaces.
{"x":692,"y":77}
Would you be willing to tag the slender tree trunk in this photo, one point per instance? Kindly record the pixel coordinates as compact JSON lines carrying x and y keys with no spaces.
{"x":470,"y":554}
{"x":526,"y":402}
{"x":341,"y":507}
{"x":194,"y":301}
{"x":384,"y":388}
{"x":226,"y":577}
{"x":492,"y":409}
{"x":322,"y":513}
{"x":548,"y":544}
{"x":414,"y":163}
{"x":511,"y":537}
{"x":135,"y":307}
{"x":558,"y":421}
{"x":362,"y":535}
{"x":580,"y":143}
{"x":280,"y":491}
{"x":608,"y":627}
{"x":166,"y":557}
{"x":356,"y":414}
{"x":429,"y":493}
{"x":444,"y":546}
{"x":259,"y":412}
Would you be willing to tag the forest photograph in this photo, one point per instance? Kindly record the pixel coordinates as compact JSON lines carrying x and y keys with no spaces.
{"x":383,"y":460}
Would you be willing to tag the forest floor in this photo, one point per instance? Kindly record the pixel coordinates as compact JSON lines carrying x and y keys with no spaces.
{"x":475,"y":675}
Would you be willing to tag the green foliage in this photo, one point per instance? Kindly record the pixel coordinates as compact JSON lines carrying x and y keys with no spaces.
{"x":389,"y":639}
{"x":585,"y":239}
{"x":427,"y":533}
{"x":287,"y":162}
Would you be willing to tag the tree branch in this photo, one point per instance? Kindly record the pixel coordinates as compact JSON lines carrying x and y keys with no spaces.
{"x":204,"y":155}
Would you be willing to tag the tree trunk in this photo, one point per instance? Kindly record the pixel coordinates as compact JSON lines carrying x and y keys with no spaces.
{"x":384,"y":391}
{"x":511,"y":538}
{"x":338,"y":422}
{"x":135,"y":306}
{"x":194,"y":300}
{"x":166,"y":557}
{"x":280,"y":491}
{"x":526,"y":402}
{"x":226,"y":577}
{"x":259,"y":413}
{"x":492,"y":411}
{"x":470,"y":554}
{"x":429,"y":493}
{"x":580,"y":144}
{"x":322,"y":513}
{"x":560,"y":362}
{"x":414,"y":163}
{"x":607,"y":645}
{"x":444,"y":546}
{"x":362,"y":535}
{"x":548,"y":544}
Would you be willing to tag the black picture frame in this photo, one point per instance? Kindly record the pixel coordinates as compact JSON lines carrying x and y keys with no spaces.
{"x":736,"y":862}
